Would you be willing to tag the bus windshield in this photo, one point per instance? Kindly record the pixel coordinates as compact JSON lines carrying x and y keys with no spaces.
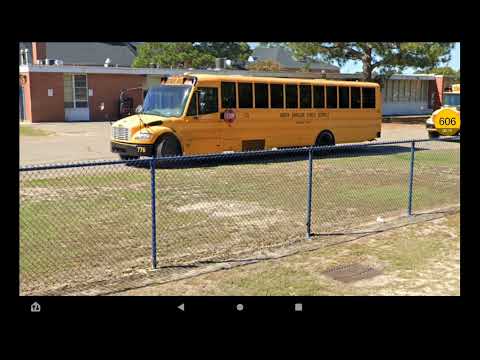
{"x":166,"y":100}
{"x":451,"y":100}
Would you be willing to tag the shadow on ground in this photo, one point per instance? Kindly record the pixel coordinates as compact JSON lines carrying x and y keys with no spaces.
{"x":266,"y":157}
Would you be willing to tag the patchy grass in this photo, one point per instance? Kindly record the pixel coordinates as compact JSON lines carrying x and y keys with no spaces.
{"x":26,"y":130}
{"x":82,"y":224}
{"x":422,"y":259}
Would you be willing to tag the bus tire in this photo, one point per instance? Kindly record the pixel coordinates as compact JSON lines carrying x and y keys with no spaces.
{"x":167,"y":146}
{"x":433,"y":135}
{"x":325,"y":138}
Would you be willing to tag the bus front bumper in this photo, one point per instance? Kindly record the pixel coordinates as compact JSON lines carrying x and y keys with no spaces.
{"x":131,"y":149}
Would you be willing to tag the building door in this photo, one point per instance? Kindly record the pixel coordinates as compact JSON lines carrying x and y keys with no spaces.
{"x":22,"y":104}
{"x":76,"y":97}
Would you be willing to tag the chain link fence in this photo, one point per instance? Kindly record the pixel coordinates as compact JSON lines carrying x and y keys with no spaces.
{"x":101,"y":227}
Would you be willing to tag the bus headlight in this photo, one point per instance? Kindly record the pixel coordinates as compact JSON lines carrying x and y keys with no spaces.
{"x":143,"y":136}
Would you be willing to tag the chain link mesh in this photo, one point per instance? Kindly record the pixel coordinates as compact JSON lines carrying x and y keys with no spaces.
{"x":88,"y":229}
{"x":81,"y":226}
{"x":368,"y":185}
{"x":436,"y":176}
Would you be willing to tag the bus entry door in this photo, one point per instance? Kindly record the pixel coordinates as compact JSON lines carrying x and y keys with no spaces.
{"x":202,"y":134}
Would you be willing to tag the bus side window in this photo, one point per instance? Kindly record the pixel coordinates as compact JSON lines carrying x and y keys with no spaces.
{"x":331,"y":97}
{"x":229,"y":95}
{"x":245,"y":95}
{"x":276,"y":96}
{"x":344,"y":97}
{"x":305,"y":96}
{"x":207,"y":100}
{"x":319,"y":97}
{"x":261,"y":96}
{"x":368,"y":97}
{"x":355,"y":97}
{"x":192,"y":108}
{"x":291,"y":92}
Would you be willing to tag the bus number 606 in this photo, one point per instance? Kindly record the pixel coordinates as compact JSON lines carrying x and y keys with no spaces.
{"x":447,"y":121}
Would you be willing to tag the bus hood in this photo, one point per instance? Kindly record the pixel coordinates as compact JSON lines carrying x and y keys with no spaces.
{"x":135,"y":121}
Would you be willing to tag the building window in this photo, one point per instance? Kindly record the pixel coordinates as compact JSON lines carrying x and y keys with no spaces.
{"x":305,"y":96}
{"x":229,"y":95}
{"x":355,"y":97}
{"x":344,"y":97}
{"x":75,"y":92}
{"x":276,"y":96}
{"x":390,"y":90}
{"x":424,"y":92}
{"x":207,"y":100}
{"x":419,"y":91}
{"x":396,"y":88}
{"x":332,"y":97}
{"x":245,"y":95}
{"x":368,"y":98}
{"x":408,"y":85}
{"x":261,"y":96}
{"x":403,"y":84}
{"x":319,"y":97}
{"x":413,"y":91}
{"x":291,"y":92}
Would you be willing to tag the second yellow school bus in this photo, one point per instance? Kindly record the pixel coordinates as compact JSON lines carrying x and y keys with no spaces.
{"x":207,"y":113}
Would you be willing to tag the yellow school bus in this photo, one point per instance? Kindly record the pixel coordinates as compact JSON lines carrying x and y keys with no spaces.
{"x":451,"y":100}
{"x":212,"y":113}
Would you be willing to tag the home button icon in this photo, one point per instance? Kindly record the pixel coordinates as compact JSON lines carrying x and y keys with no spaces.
{"x":35,"y":307}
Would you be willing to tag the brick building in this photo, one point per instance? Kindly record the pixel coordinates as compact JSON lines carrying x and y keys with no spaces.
{"x":70,"y":81}
{"x":83,"y":87}
{"x":76,"y":93}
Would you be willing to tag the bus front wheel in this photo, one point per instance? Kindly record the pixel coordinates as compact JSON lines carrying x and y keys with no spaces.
{"x":168,"y":145}
{"x":325,"y":138}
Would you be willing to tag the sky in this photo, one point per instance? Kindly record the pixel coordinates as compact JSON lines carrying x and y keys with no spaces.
{"x":355,"y":66}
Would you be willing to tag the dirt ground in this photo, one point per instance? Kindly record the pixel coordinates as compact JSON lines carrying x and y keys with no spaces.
{"x":417,"y":259}
{"x":70,"y":142}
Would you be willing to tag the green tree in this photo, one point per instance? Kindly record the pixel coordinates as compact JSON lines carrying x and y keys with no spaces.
{"x":273,"y":44}
{"x":175,"y":54}
{"x":237,"y":51}
{"x":445,"y":70}
{"x":189,"y":54}
{"x":264,"y":65}
{"x":383,"y":57}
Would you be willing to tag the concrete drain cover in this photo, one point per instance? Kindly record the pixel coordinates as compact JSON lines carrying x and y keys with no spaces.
{"x":352,"y":272}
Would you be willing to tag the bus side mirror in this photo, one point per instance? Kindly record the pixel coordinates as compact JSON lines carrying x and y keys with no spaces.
{"x":139,"y":109}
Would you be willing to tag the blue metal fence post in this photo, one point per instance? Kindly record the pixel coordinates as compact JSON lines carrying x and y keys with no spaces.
{"x":309,"y":195}
{"x":154,"y":218}
{"x":410,"y":182}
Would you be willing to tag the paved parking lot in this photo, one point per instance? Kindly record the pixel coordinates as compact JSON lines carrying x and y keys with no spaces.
{"x":72,"y":142}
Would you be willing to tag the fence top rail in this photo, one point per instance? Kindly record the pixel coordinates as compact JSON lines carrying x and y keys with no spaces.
{"x":227,"y":156}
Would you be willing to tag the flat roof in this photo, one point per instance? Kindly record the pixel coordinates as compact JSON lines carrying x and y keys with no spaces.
{"x":75,"y":69}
